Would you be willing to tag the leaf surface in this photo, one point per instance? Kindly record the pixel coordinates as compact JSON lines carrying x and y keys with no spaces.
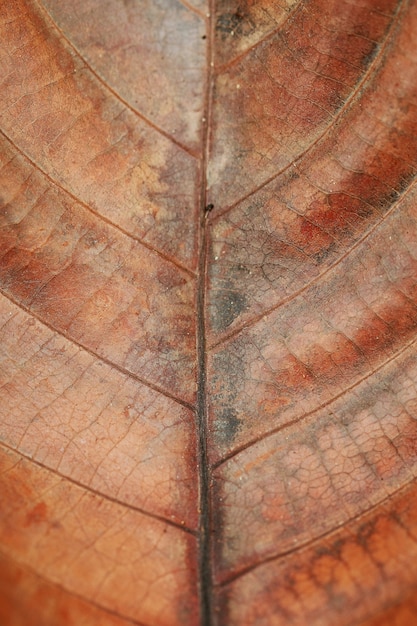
{"x":208,"y":312}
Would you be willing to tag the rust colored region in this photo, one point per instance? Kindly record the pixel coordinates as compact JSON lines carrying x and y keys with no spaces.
{"x":117,"y":558}
{"x":401,"y":613}
{"x":27,"y":599}
{"x":208,"y":313}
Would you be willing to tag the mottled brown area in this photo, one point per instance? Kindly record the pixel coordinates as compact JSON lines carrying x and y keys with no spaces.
{"x":208,"y":313}
{"x":88,"y":280}
{"x":278,"y":100}
{"x":333,"y":464}
{"x":79,"y":416}
{"x":88,"y":132}
{"x":292,"y":231}
{"x":327,"y":339}
{"x":128,"y":54}
{"x":241,"y":24}
{"x":371,"y":562}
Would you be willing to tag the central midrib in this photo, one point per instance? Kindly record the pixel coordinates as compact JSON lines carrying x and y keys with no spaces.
{"x":204,"y":472}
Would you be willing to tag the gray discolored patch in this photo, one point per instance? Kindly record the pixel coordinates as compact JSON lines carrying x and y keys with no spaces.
{"x":227,"y":306}
{"x":234,"y":23}
{"x":227,"y":425}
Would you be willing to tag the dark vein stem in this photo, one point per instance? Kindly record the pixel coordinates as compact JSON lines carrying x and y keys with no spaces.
{"x":204,"y":472}
{"x":203,"y":467}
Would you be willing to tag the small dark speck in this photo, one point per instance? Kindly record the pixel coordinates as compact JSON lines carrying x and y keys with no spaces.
{"x":209,"y":208}
{"x":204,"y":37}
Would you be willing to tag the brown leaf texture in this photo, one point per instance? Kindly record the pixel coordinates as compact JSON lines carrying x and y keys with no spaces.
{"x":208,"y":312}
